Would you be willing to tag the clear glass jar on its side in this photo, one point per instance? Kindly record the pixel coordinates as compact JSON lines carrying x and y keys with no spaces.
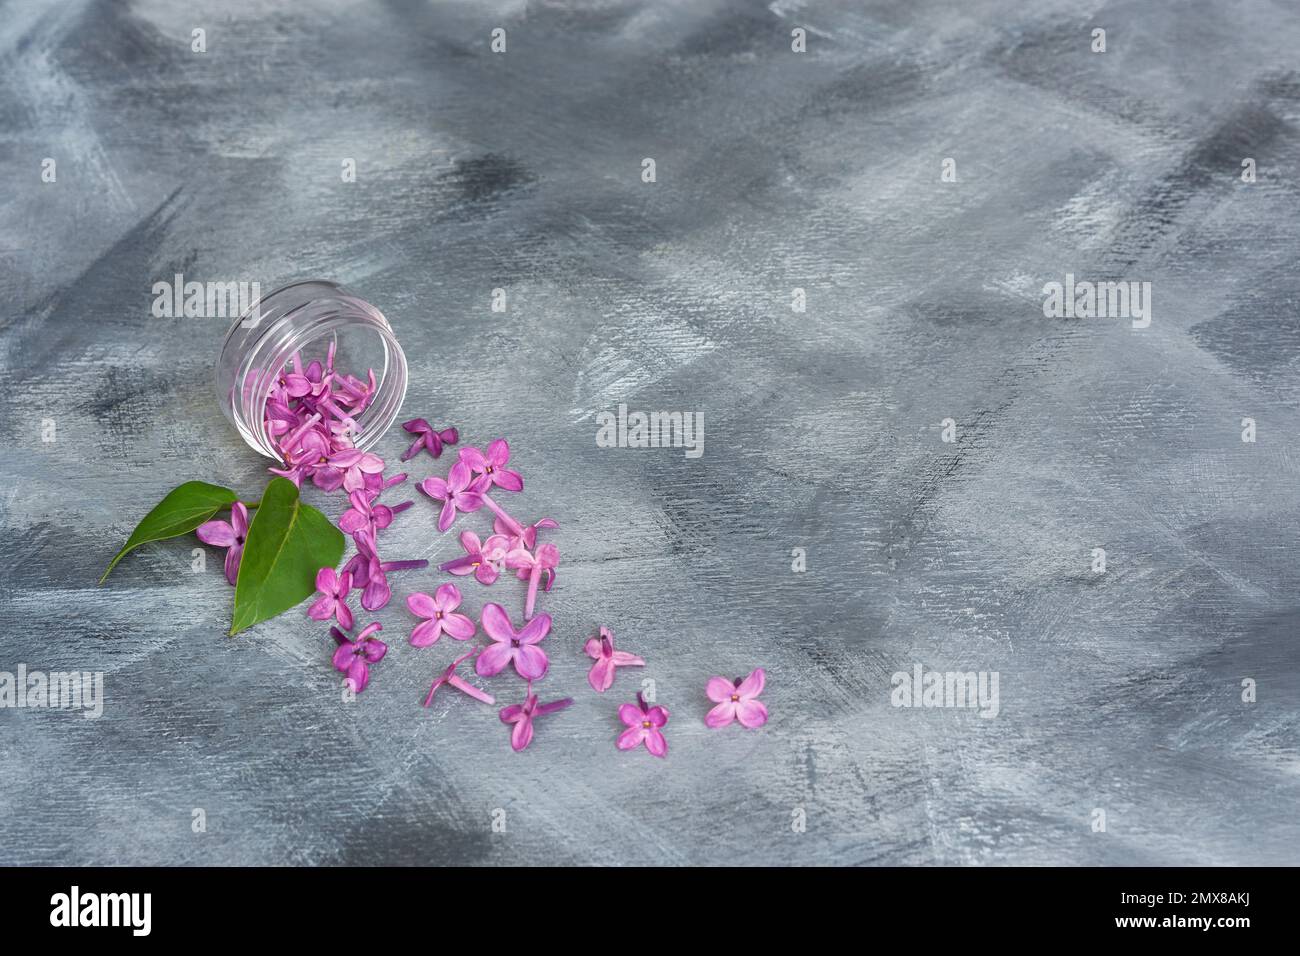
{"x":304,"y":318}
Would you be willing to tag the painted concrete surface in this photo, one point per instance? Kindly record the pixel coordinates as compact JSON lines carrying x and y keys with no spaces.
{"x":1118,"y":691}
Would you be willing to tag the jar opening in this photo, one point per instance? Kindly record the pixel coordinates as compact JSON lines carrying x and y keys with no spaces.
{"x":288,"y":330}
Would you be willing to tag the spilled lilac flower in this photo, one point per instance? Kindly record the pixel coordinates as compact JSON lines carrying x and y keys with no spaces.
{"x":377,"y":483}
{"x":310,"y":416}
{"x":450,"y":677}
{"x":490,"y":468}
{"x":532,"y":566}
{"x":428,"y":437}
{"x":368,"y":572}
{"x":737,"y":700}
{"x":229,"y":535}
{"x":454,"y":493}
{"x":441,"y":617}
{"x":525,"y":536}
{"x":333,"y":598}
{"x":355,"y":655}
{"x":601,"y":649}
{"x":644,"y":725}
{"x":512,"y":528}
{"x":365,"y":513}
{"x":483,"y":559}
{"x":513,"y":647}
{"x":522,"y":715}
{"x":371,"y":575}
{"x":355,"y":466}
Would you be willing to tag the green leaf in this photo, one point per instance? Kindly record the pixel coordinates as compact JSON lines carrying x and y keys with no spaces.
{"x":287,"y":543}
{"x":183,"y":510}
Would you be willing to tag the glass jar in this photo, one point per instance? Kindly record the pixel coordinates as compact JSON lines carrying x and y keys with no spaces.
{"x":304,"y":318}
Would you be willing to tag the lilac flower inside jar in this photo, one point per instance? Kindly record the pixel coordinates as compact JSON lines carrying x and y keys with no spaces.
{"x":295,"y":325}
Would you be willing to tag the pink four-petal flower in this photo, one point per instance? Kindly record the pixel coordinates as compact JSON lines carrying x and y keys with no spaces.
{"x":513,"y":647}
{"x":333,"y":598}
{"x":491,"y":467}
{"x":737,"y":700}
{"x":450,"y":677}
{"x":428,"y":437}
{"x":365,"y":513}
{"x":526,"y":536}
{"x":355,"y":655}
{"x":368,"y":572}
{"x":229,"y":535}
{"x":601,"y":675}
{"x":644,"y":725}
{"x":454,"y":493}
{"x":532,"y":565}
{"x":441,"y":616}
{"x":355,"y":465}
{"x":522,"y":715}
{"x":483,"y":559}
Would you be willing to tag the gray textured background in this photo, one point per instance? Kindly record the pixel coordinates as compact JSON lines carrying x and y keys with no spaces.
{"x":775,"y":171}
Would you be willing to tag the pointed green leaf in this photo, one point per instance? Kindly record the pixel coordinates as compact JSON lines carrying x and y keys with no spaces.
{"x":183,"y":510}
{"x":287,"y":543}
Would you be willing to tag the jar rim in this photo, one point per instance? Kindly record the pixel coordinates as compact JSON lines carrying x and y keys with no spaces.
{"x":255,"y":306}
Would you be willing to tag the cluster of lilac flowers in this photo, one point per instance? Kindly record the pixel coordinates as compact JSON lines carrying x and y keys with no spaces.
{"x":512,"y":546}
{"x":311,"y":417}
